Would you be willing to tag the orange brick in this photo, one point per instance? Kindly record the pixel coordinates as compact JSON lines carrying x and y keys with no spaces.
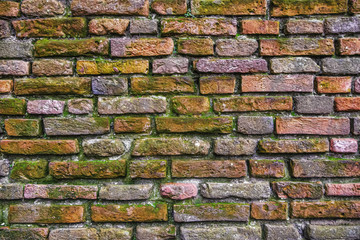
{"x":347,"y":104}
{"x":6,"y":86}
{"x":260,"y":26}
{"x":333,"y":84}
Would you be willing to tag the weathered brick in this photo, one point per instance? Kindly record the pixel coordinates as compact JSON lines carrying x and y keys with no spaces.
{"x":45,"y":107}
{"x":217,"y":84}
{"x":163,"y":7}
{"x":327,"y":84}
{"x":178,"y":191}
{"x":50,"y":27}
{"x":279,"y":232}
{"x":148,"y":169}
{"x":314,"y":104}
{"x":103,"y":147}
{"x":308,"y":7}
{"x":29,"y":170}
{"x":109,"y":85}
{"x":87,"y":169}
{"x":252,"y":103}
{"x":10,"y":48}
{"x":255,"y":125}
{"x":46,"y":214}
{"x":269,"y":210}
{"x":73,"y":233}
{"x":354,"y":6}
{"x":4,"y":29}
{"x":80,"y":106}
{"x":341,"y":65}
{"x":170,"y":65}
{"x":296,"y":190}
{"x":267,"y":168}
{"x":294,"y":65}
{"x":104,"y":26}
{"x":54,"y":85}
{"x":190,"y":105}
{"x":208,"y":168}
{"x":155,"y":232}
{"x":84,"y":67}
{"x":129,"y":213}
{"x":216,"y":232}
{"x":236,"y":47}
{"x":42,"y":7}
{"x":356,"y":126}
{"x":296,"y":47}
{"x":4,"y":168}
{"x":342,"y":25}
{"x":14,"y":67}
{"x":325,"y":168}
{"x":236,"y":7}
{"x":304,"y":26}
{"x":115,"y":233}
{"x":11,"y":191}
{"x":39,"y":146}
{"x":12,"y":106}
{"x":349,"y":46}
{"x":32,"y":191}
{"x":132,"y":125}
{"x":52,"y":67}
{"x":277,"y":83}
{"x":235,"y":146}
{"x":294,"y":146}
{"x":199,"y":26}
{"x":253,"y":190}
{"x":144,"y":26}
{"x":258,"y":26}
{"x":203,"y":212}
{"x":23,"y":127}
{"x":343,"y":145}
{"x":196,"y":46}
{"x":163,"y":84}
{"x":194,"y":124}
{"x":107,"y":7}
{"x":325,"y":209}
{"x":126,"y":105}
{"x":24,"y":233}
{"x":313,"y":125}
{"x":216,"y":65}
{"x":326,"y":232}
{"x":347,"y":104}
{"x":342,"y":189}
{"x":135,"y":47}
{"x":9,"y":9}
{"x":125,"y":192}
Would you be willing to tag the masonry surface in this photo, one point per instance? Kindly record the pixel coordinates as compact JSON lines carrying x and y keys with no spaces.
{"x":176,"y":119}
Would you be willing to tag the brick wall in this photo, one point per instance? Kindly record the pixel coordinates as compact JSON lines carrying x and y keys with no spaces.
{"x":176,"y":119}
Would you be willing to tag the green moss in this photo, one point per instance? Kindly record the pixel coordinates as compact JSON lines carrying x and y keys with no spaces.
{"x":29,"y":170}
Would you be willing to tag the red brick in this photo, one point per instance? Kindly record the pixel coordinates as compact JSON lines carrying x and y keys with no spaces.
{"x":349,"y":46}
{"x":347,"y":104}
{"x":9,"y":9}
{"x":178,"y":191}
{"x":333,"y":84}
{"x":267,"y":168}
{"x":343,"y":189}
{"x":164,"y":7}
{"x":343,"y":145}
{"x":132,"y":125}
{"x":257,"y":26}
{"x":104,"y":26}
{"x":269,"y":210}
{"x":6,"y":86}
{"x":217,"y":84}
{"x":296,"y":190}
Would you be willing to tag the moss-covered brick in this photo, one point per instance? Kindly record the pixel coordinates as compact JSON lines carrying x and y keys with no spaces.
{"x":269,"y":210}
{"x":76,"y":126}
{"x":217,"y":84}
{"x":148,"y":169}
{"x":196,"y":46}
{"x":163,"y":84}
{"x":24,"y":233}
{"x":29,"y":170}
{"x":317,"y":145}
{"x":145,"y":232}
{"x":103,"y":147}
{"x":23,"y":127}
{"x":190,"y":105}
{"x":84,"y":67}
{"x":228,"y":7}
{"x":267,"y":168}
{"x":9,"y":9}
{"x":12,"y":106}
{"x":132,"y":125}
{"x":325,"y":209}
{"x":50,"y":191}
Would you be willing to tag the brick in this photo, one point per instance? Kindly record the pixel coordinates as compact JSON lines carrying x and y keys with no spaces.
{"x":4,"y":168}
{"x":325,"y":168}
{"x":277,"y":83}
{"x":343,"y":145}
{"x":216,"y":65}
{"x":12,"y":106}
{"x":29,"y":170}
{"x":325,"y":209}
{"x":354,"y":6}
{"x":208,"y":168}
{"x":178,"y":191}
{"x":129,"y":213}
{"x":217,"y":84}
{"x":314,"y":104}
{"x":318,"y":232}
{"x":190,"y":105}
{"x":52,"y":67}
{"x":195,"y":46}
{"x":194,"y":124}
{"x":342,"y":25}
{"x":356,"y":126}
{"x":24,"y":233}
{"x":46,"y":214}
{"x":14,"y":67}
{"x":234,"y":212}
{"x":258,"y":26}
{"x":357,"y":85}
{"x":135,"y":47}
{"x":304,"y":26}
{"x":279,"y":232}
{"x":327,"y":84}
{"x":126,"y":66}
{"x":236,"y":7}
{"x":54,"y":85}
{"x":132,"y":125}
{"x":155,"y":232}
{"x":349,"y":46}
{"x":170,"y":65}
{"x":235,"y":146}
{"x":296,"y":47}
{"x":253,"y":190}
{"x":9,"y":9}
{"x":125,"y":192}
{"x":23,"y":127}
{"x":347,"y":104}
{"x":294,"y":65}
{"x":87,"y":169}
{"x":115,"y":233}
{"x":294,"y":146}
{"x":126,"y":105}
{"x":148,"y":169}
{"x":269,"y":210}
{"x":11,"y":191}
{"x":313,"y":125}
{"x":164,"y":7}
{"x":341,"y":66}
{"x":255,"y":125}
{"x":50,"y":27}
{"x":103,"y":147}
{"x":342,"y":189}
{"x":105,"y":26}
{"x":10,"y":48}
{"x":4,"y":29}
{"x":107,"y":7}
{"x":39,"y":146}
{"x":267,"y":168}
{"x":293,"y":8}
{"x":252,"y":104}
{"x":45,"y":107}
{"x":59,"y":192}
{"x":216,"y":232}
{"x":109,"y":85}
{"x":73,"y":233}
{"x":80,"y":106}
{"x":144,"y":26}
{"x":163,"y":84}
{"x":295,"y":190}
{"x":199,"y":26}
{"x":236,"y":47}
{"x":42,"y":7}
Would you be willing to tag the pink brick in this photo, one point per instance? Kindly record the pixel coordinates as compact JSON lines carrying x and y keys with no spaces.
{"x":344,"y":190}
{"x":45,"y":107}
{"x":60,"y":192}
{"x":178,"y":191}
{"x":343,"y":145}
